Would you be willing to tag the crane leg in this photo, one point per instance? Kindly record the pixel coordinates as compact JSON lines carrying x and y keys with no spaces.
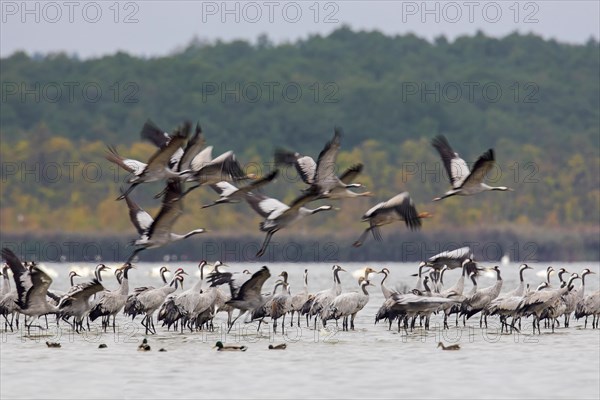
{"x":265,"y":244}
{"x":362,"y":238}
{"x":236,"y":318}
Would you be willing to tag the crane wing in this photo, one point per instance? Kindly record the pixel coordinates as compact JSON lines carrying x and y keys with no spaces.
{"x":351,"y":173}
{"x":325,"y":175}
{"x":139,"y":218}
{"x":264,"y":205}
{"x":482,"y":166}
{"x":171,"y":210}
{"x":456,"y":167}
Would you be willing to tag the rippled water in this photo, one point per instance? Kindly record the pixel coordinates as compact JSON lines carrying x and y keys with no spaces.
{"x":370,"y":362}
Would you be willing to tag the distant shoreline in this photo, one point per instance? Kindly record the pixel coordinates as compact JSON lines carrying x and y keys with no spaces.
{"x":487,"y":246}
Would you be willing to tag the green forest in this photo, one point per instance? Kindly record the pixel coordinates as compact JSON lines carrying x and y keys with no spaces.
{"x":535,"y":101}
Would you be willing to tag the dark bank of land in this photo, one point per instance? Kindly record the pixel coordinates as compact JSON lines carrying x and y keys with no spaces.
{"x":487,"y":246}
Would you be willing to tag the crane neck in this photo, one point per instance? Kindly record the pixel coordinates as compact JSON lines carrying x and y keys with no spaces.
{"x":385,"y":275}
{"x":336,"y":278}
{"x":364,"y":289}
{"x":426,"y":287}
{"x":548,"y":272}
{"x":124,"y":288}
{"x":305,"y":283}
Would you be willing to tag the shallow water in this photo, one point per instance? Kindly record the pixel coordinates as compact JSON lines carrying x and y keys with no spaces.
{"x":371,"y":362}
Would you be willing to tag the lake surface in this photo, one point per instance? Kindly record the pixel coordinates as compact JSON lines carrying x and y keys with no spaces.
{"x":371,"y":362}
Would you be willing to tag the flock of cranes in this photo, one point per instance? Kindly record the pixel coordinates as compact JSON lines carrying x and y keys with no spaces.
{"x":183,"y":158}
{"x":220,"y":291}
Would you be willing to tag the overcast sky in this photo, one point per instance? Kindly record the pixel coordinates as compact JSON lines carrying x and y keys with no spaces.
{"x":151,"y":28}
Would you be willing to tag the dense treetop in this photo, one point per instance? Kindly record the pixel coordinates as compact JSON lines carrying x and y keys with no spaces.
{"x":535,"y":101}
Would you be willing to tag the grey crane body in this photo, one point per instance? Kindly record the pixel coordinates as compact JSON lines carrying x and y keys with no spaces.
{"x":574,"y":297}
{"x":537,"y":302}
{"x":278,"y":215}
{"x":322,"y":299}
{"x":463,"y":181}
{"x":349,"y":304}
{"x":231,"y":194}
{"x":399,"y":208}
{"x":158,"y":232}
{"x":280,"y":305}
{"x":111,"y":303}
{"x":321,"y":175}
{"x":248,"y":296}
{"x":589,"y":305}
{"x":482,"y":298}
{"x":148,"y":301}
{"x":452,"y":258}
{"x":76,"y":303}
{"x":299,"y":299}
{"x":157,"y":167}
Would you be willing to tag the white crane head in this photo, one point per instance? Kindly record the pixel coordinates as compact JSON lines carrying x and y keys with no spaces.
{"x":586,"y":272}
{"x":284,"y":275}
{"x":73,"y":274}
{"x":125,"y":267}
{"x":180,"y":271}
{"x":179,"y":279}
{"x":523,"y":267}
{"x":101,"y":267}
{"x":338,"y":268}
{"x":572,"y":278}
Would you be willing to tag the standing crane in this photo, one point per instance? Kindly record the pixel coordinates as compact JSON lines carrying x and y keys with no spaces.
{"x":112,"y":302}
{"x":349,"y":304}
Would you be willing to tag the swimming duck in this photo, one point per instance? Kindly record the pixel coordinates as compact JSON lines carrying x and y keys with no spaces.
{"x":278,"y":346}
{"x":144,"y":346}
{"x":220,"y":347}
{"x":451,"y":347}
{"x":102,"y":346}
{"x":53,"y":345}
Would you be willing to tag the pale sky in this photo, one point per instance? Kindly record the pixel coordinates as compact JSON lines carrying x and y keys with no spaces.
{"x":153,"y":28}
